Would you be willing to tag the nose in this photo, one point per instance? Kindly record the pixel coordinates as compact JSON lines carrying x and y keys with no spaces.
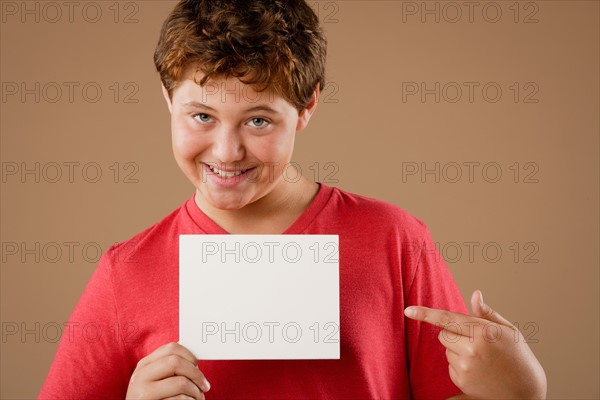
{"x":228,"y":146}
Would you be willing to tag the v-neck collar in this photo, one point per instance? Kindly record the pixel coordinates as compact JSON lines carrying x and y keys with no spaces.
{"x":208,"y":226}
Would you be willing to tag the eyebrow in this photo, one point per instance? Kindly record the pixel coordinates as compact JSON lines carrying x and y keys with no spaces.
{"x":262,"y":107}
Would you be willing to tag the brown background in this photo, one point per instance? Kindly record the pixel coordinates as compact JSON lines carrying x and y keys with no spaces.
{"x":362,"y":125}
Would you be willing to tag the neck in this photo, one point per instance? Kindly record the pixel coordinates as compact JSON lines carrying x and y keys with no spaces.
{"x":273,"y":213}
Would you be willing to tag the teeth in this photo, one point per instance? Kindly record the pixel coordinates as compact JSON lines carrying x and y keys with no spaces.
{"x":225,"y":174}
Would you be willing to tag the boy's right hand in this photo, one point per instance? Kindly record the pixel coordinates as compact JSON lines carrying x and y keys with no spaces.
{"x":171,"y":371}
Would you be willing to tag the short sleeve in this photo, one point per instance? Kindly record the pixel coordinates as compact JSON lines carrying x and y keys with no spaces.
{"x":432,"y":286}
{"x":90,"y":361}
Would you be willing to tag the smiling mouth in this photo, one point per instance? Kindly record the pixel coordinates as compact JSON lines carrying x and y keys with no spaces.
{"x":227,"y":174}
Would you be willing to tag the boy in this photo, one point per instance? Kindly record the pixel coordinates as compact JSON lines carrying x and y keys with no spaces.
{"x":240,"y":79}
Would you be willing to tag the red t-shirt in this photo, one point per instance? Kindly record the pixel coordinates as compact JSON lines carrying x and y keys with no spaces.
{"x":388,"y":261}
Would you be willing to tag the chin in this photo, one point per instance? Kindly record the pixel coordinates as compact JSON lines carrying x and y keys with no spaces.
{"x":223,"y":201}
{"x":227,"y":206}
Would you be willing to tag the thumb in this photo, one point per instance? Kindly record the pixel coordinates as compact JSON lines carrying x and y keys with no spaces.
{"x":482,"y":310}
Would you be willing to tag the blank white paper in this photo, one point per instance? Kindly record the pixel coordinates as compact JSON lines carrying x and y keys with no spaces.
{"x":245,"y":297}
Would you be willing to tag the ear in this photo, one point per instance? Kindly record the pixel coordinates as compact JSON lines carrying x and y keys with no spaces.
{"x":304,"y":115}
{"x":166,"y":96}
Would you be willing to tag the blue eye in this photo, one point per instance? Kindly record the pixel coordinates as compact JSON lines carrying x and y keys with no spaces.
{"x":204,"y":118}
{"x":258,"y":122}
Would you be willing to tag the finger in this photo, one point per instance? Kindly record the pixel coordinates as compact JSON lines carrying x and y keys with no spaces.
{"x":454,"y":376}
{"x":456,"y":344}
{"x":453,"y":359}
{"x":450,"y":352}
{"x":173,"y":364}
{"x":482,"y":310}
{"x":167,"y":349}
{"x":460,"y":367}
{"x":180,"y":397}
{"x":451,"y":321}
{"x":175,"y":386}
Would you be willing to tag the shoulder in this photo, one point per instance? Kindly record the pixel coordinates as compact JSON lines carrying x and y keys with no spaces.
{"x":151,"y":240}
{"x":377,"y":213}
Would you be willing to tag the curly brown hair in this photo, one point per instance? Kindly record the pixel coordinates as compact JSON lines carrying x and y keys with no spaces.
{"x":268,"y":44}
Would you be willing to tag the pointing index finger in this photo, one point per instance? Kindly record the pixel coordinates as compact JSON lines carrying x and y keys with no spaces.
{"x":460,"y":324}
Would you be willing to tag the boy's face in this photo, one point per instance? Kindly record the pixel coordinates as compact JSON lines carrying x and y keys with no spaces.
{"x":232,"y":142}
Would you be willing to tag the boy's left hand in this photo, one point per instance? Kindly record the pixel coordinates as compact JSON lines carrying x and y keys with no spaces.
{"x":488,"y":356}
